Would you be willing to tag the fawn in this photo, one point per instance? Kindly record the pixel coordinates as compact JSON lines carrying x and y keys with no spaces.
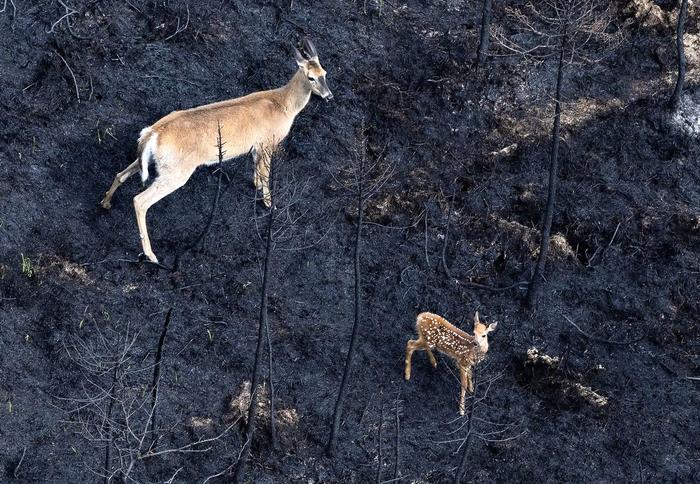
{"x":435,"y":332}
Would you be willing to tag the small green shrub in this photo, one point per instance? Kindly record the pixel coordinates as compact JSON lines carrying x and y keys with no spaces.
{"x":28,"y":268}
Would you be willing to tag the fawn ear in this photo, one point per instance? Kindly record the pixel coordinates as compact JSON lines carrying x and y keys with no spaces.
{"x":476,"y":318}
{"x":491,"y":327}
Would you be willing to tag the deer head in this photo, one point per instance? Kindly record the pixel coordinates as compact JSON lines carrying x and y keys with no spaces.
{"x":307,"y":60}
{"x":481,"y":332}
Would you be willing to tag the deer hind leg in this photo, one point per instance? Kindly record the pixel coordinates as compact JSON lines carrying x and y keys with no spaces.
{"x":427,"y":348}
{"x":121,"y":177}
{"x":411,"y":346}
{"x":161,"y":188}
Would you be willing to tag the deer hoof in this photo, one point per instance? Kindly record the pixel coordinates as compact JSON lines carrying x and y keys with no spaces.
{"x":148,"y":258}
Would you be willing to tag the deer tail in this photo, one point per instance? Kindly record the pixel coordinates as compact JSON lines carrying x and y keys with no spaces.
{"x":147,"y":145}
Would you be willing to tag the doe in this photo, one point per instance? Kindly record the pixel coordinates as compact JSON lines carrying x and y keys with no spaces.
{"x":435,"y":332}
{"x":182,"y":141}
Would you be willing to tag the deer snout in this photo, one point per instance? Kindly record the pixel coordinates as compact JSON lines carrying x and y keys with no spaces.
{"x":328,"y":96}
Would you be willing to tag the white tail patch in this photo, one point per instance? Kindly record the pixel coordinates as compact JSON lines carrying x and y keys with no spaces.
{"x":147,"y":150}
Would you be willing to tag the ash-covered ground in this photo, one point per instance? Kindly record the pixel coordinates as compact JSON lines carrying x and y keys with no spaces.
{"x":612,"y":399}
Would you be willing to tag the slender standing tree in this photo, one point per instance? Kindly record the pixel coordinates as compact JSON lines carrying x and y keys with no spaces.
{"x":268,"y":244}
{"x":484,"y":35}
{"x":474,"y":427}
{"x":558,"y":34}
{"x":366,"y":180}
{"x":262,"y":325}
{"x":280,"y":221}
{"x":680,"y":52}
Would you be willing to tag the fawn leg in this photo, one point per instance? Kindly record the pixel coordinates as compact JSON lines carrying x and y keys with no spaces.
{"x":463,"y":387}
{"x":433,"y":361}
{"x":411,"y":346}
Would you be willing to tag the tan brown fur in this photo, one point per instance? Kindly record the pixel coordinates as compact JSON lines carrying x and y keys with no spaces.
{"x":182,"y":141}
{"x":435,"y":332}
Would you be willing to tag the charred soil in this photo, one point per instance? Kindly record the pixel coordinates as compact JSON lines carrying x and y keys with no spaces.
{"x":620,"y":306}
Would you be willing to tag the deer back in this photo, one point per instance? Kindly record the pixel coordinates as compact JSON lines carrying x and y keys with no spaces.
{"x":447,"y":338}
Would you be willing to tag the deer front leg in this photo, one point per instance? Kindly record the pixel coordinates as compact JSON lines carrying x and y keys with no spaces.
{"x":470,"y":379}
{"x":262,"y":171}
{"x":256,"y":170}
{"x":464,"y":380}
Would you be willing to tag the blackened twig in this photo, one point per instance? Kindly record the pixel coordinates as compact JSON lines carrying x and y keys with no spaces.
{"x":427,"y":259}
{"x":239,"y":474}
{"x":358,"y":314}
{"x":379,"y":437}
{"x":273,"y":429}
{"x":484,"y":35}
{"x":600,"y":340}
{"x":367,"y":180}
{"x":75,"y":82}
{"x":108,"y":423}
{"x":69,"y":11}
{"x":493,"y":288}
{"x":397,"y":446}
{"x":221,"y":154}
{"x":447,"y":231}
{"x":465,"y":443}
{"x":215,"y":203}
{"x":156,"y":374}
{"x":15,"y":473}
{"x":179,"y":29}
{"x":680,"y":52}
{"x":14,"y":8}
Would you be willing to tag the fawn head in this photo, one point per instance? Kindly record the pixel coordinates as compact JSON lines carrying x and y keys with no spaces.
{"x":307,"y":60}
{"x":481,"y":332}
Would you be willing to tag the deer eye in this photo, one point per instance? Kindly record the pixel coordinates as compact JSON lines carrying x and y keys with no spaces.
{"x":311,"y":79}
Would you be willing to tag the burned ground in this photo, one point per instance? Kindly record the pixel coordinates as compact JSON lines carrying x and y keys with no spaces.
{"x":624,"y":265}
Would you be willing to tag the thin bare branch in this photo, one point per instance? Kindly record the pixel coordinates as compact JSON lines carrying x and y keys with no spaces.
{"x":179,"y":29}
{"x":75,"y":82}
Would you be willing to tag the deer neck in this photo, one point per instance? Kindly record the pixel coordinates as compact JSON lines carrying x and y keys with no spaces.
{"x":297,"y":93}
{"x":483,"y":347}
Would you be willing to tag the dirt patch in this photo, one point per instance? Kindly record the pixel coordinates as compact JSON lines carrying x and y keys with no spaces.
{"x":541,"y":374}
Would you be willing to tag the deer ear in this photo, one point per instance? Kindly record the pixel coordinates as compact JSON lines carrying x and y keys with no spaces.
{"x":309,"y":48}
{"x":476,"y":318}
{"x":299,"y":57}
{"x":491,"y":327}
